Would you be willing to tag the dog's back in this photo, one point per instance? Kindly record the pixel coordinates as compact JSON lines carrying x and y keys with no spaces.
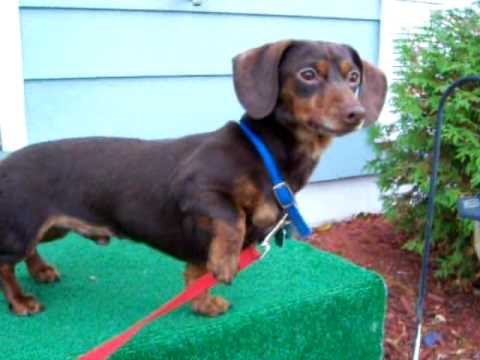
{"x":85,"y":178}
{"x":104,"y":186}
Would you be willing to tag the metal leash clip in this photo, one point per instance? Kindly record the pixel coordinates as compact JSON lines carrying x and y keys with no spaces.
{"x":265,"y":244}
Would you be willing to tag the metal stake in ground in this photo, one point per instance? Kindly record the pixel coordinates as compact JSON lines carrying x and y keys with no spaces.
{"x":430,"y":210}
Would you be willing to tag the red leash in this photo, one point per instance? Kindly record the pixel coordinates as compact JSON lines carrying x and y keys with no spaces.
{"x":207,"y":281}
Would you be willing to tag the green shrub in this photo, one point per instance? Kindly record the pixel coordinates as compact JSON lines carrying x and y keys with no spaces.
{"x":447,"y":48}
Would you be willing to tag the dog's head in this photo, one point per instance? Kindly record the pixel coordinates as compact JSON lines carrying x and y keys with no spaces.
{"x":323,"y":87}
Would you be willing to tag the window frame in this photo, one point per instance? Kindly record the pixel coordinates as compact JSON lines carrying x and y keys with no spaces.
{"x":13,"y":127}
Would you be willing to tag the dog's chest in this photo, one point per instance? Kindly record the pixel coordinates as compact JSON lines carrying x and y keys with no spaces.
{"x":304,"y":159}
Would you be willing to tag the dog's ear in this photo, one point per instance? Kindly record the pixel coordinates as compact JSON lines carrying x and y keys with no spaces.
{"x":256,"y":80}
{"x":373,"y":92}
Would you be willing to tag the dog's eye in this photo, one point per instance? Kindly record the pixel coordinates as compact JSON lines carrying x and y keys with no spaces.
{"x":308,"y":74}
{"x":353,"y":77}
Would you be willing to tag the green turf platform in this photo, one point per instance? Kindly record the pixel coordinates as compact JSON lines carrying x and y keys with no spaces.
{"x":298,"y":303}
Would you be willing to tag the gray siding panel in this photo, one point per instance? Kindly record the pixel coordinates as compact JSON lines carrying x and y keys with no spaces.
{"x":160,"y":69}
{"x":346,"y":9}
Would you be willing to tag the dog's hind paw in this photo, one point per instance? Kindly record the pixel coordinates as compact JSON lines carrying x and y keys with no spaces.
{"x":102,"y":241}
{"x":26,"y":305}
{"x":210,"y":305}
{"x":46,"y":274}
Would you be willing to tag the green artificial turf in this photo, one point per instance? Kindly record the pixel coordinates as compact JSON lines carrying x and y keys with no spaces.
{"x":297,"y":303}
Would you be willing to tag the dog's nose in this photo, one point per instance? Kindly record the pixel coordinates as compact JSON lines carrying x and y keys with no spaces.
{"x":354,"y":115}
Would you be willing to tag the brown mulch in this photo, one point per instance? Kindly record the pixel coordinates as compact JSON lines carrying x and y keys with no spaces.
{"x":452,"y":311}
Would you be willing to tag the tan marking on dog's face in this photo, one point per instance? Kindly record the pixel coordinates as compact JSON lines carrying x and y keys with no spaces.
{"x":345,"y":67}
{"x":323,"y":68}
{"x":303,"y":108}
{"x":329,"y":105}
{"x":325,"y":104}
{"x":300,"y":107}
{"x":321,"y":113}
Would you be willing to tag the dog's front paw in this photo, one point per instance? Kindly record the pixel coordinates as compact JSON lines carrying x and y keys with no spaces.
{"x":210,"y":305}
{"x":224,"y":268}
{"x":25,"y":305}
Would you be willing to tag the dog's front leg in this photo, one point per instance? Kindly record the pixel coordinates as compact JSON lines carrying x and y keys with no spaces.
{"x":225,"y":248}
{"x":225,"y":226}
{"x":204,"y":304}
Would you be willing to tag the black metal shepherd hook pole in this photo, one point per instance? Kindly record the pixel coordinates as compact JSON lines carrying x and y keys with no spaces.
{"x":430,"y":209}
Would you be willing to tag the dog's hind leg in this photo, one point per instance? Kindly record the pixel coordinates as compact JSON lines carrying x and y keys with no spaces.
{"x":204,"y":304}
{"x":37,"y":267}
{"x":16,"y":244}
{"x":13,"y":250}
{"x":40,"y":270}
{"x":20,"y":303}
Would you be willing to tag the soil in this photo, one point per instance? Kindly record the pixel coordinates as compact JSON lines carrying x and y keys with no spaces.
{"x":452,"y":315}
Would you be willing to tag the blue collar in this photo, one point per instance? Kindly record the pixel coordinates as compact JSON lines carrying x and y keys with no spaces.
{"x":281,"y":190}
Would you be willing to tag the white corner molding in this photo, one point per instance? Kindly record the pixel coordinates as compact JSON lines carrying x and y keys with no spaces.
{"x":398,"y":18}
{"x":386,"y":56}
{"x":13,"y":127}
{"x":337,"y":200}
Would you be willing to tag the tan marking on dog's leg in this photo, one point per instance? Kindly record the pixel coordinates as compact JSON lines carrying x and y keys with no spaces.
{"x":204,"y":304}
{"x":101,"y":234}
{"x":246,"y":194}
{"x":20,"y":303}
{"x":40,"y":270}
{"x":225,"y":248}
{"x":95,"y":232}
{"x":265,"y":215}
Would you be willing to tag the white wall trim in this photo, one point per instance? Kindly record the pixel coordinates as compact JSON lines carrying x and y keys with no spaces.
{"x":403,"y":16}
{"x":386,"y":56}
{"x":337,"y":200}
{"x":13,"y":126}
{"x":398,"y":17}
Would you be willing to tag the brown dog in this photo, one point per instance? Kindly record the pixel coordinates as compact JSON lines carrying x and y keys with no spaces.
{"x":201,"y":198}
